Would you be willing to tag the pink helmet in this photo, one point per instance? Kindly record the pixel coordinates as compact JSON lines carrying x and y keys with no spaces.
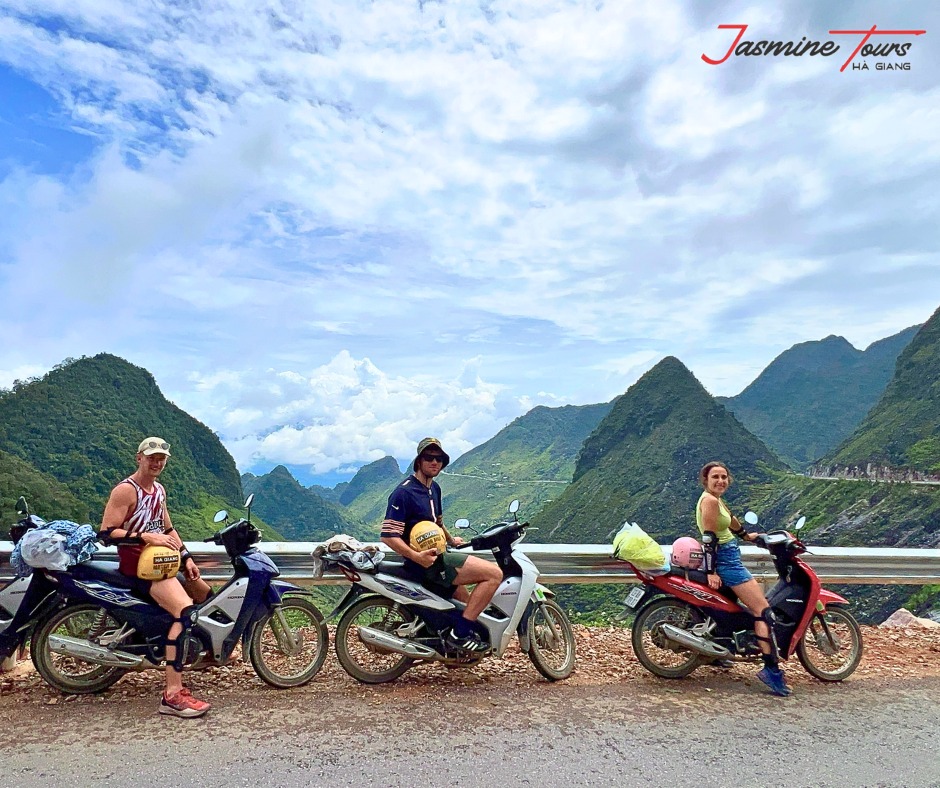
{"x":687,"y":553}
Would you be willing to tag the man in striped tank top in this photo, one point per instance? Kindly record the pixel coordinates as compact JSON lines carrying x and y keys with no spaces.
{"x":136,"y":515}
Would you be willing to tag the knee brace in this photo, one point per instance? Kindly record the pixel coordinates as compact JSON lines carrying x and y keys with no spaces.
{"x":187,"y":618}
{"x":768,"y":617}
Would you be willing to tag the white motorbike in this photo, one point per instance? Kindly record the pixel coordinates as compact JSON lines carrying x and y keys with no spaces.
{"x":389,"y":622}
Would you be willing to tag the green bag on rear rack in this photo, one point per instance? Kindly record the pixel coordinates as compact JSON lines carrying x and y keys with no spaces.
{"x":633,"y":544}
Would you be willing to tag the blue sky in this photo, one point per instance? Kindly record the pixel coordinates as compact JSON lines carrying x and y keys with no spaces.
{"x":332,"y":228}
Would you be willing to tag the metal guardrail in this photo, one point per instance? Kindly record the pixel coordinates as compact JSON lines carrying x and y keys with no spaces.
{"x":591,"y":563}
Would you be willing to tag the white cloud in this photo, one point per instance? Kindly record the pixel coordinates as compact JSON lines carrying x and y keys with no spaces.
{"x":345,"y":412}
{"x":505,"y":206}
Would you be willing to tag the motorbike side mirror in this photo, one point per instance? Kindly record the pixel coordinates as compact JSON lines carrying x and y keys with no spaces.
{"x":463,"y":522}
{"x":514,"y":506}
{"x":220,"y":515}
{"x":799,"y":524}
{"x":248,"y":501}
{"x":750,"y":518}
{"x":21,"y":506}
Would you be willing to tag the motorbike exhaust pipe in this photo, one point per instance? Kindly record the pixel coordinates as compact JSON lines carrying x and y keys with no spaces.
{"x":380,"y":639}
{"x":89,"y":652}
{"x":694,"y":643}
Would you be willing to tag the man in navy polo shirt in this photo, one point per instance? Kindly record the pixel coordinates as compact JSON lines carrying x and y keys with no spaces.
{"x":416,"y":499}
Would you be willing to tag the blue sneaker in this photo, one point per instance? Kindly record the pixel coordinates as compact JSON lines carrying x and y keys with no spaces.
{"x":773,"y":678}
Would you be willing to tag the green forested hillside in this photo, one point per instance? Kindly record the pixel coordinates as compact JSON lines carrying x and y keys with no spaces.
{"x":812,"y":396}
{"x":46,"y":496}
{"x":81,"y":424}
{"x":331,"y":494}
{"x":853,"y":513}
{"x":642,"y":461}
{"x":532,"y":459}
{"x":903,"y":429}
{"x":366,"y":493}
{"x":297,"y":513}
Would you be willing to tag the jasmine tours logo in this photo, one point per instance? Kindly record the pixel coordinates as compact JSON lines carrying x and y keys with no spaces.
{"x":889,"y":43}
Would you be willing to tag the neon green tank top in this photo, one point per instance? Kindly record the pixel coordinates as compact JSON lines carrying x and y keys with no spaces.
{"x":723,"y":526}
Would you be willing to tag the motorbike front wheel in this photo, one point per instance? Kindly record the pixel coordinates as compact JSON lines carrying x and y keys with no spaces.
{"x":831,"y":646}
{"x":551,"y":641}
{"x":658,"y":655}
{"x":288,"y":646}
{"x":366,"y":662}
{"x":65,"y":672}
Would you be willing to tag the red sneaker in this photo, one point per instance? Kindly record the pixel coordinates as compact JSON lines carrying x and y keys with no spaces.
{"x":183,"y":704}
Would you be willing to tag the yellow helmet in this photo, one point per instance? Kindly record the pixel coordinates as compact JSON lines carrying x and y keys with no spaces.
{"x":158,"y":563}
{"x":425,"y":535}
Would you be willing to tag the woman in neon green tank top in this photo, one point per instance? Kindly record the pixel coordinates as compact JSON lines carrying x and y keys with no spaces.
{"x":723,"y":565}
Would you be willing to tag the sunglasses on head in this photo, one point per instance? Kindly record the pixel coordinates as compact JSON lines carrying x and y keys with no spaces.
{"x":433,"y":458}
{"x":153,"y":445}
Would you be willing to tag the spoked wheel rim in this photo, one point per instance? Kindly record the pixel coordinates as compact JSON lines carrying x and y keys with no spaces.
{"x":364,"y":661}
{"x":66,"y":672}
{"x":655,"y":652}
{"x":289,"y":646}
{"x":552,"y":641}
{"x":831,"y":652}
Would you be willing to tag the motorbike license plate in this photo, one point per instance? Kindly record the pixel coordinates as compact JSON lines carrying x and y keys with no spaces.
{"x":634,"y":597}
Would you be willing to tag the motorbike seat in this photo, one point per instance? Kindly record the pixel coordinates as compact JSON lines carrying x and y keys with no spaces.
{"x":698,"y":576}
{"x":108,"y":572}
{"x":396,"y":570}
{"x":399,"y":571}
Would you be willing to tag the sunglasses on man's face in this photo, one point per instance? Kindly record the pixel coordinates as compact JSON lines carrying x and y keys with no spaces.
{"x":433,"y":458}
{"x":153,"y":445}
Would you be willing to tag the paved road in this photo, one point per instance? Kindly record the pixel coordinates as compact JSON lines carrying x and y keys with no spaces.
{"x":872,"y":480}
{"x":863,"y":733}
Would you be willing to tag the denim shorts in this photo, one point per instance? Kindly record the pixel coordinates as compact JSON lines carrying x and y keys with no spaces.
{"x":729,"y":566}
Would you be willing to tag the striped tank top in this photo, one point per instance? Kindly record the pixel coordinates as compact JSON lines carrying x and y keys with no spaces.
{"x":147,"y":517}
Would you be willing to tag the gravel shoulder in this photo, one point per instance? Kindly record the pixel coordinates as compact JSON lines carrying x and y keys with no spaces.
{"x":611,"y":723}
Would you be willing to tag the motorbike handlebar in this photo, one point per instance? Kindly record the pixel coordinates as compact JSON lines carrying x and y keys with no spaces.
{"x":776,"y":539}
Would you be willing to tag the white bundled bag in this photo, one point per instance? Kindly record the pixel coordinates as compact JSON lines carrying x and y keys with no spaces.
{"x":343,"y":548}
{"x":43,"y":548}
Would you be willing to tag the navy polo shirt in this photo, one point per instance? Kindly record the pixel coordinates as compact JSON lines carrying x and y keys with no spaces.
{"x":410,"y":503}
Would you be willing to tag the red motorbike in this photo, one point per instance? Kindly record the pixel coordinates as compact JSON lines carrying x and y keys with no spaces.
{"x":681,"y":623}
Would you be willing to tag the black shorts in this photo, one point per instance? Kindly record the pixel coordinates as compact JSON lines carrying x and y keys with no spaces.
{"x":439,"y":577}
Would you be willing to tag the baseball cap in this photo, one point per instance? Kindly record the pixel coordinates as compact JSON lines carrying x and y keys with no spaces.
{"x":153,"y":445}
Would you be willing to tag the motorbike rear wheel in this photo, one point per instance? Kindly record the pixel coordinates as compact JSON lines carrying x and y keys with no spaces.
{"x":66,"y":673}
{"x":365,"y":662}
{"x":658,"y":655}
{"x":288,"y":646}
{"x":831,"y":646}
{"x":551,"y":641}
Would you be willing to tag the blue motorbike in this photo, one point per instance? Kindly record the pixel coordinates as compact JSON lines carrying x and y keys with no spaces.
{"x":105,"y":624}
{"x":24,"y":601}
